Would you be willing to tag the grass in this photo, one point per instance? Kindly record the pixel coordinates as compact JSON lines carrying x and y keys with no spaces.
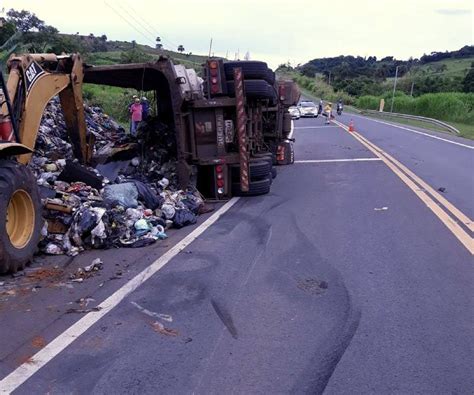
{"x":454,"y":67}
{"x":467,"y":131}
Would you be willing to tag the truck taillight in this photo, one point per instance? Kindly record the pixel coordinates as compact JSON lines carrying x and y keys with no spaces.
{"x":281,"y":153}
{"x":214,"y":76}
{"x":281,"y":92}
{"x":219,"y":169}
{"x":220,"y":183}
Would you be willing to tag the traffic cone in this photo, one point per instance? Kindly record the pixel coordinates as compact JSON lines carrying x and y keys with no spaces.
{"x":351,"y":126}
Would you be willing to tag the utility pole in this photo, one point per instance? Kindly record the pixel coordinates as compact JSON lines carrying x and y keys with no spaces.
{"x":329,"y":79}
{"x":394,"y":87}
{"x":210,"y":48}
{"x":411,"y":90}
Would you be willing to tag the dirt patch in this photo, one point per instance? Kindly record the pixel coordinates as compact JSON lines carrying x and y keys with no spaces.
{"x":38,"y":342}
{"x":161,"y":329}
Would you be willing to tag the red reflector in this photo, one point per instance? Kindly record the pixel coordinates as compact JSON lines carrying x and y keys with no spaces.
{"x":213,"y":65}
{"x":219,"y":169}
{"x":220,"y":183}
{"x":215,"y":89}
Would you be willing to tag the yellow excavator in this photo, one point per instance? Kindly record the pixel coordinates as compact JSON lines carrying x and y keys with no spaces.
{"x":33,"y":81}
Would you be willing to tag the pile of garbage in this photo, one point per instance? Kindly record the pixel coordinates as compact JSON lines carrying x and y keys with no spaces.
{"x":128,"y":198}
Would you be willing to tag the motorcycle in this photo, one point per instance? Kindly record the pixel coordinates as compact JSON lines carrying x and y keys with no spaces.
{"x":339,"y":110}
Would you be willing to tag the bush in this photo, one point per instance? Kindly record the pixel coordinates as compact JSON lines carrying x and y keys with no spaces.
{"x":446,"y":106}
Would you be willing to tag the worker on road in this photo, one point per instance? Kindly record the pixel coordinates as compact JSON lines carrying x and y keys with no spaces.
{"x":145,"y":108}
{"x":328,"y":112}
{"x":135,"y":116}
{"x":320,"y":107}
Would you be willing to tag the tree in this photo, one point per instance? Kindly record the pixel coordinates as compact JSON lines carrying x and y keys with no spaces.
{"x":158,"y":44}
{"x":180,"y":49}
{"x":134,"y":55}
{"x":25,"y":20}
{"x":468,"y":82}
{"x":6,"y":31}
{"x":103,"y":37}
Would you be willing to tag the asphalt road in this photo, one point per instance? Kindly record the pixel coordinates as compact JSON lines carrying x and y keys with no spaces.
{"x":313,"y":288}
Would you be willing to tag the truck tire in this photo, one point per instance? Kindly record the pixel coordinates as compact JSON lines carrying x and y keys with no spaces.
{"x":257,"y":169}
{"x":270,"y":77}
{"x":255,"y":89}
{"x":252,"y":70}
{"x":259,"y":187}
{"x":268,"y":156}
{"x":20,"y":216}
{"x":274,"y":172}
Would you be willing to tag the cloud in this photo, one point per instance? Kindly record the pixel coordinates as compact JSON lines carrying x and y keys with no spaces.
{"x":454,"y":11}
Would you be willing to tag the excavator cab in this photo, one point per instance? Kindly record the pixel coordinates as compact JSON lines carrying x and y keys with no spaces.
{"x":33,"y":81}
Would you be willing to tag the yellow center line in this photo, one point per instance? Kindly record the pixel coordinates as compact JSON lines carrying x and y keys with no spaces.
{"x":393,"y":164}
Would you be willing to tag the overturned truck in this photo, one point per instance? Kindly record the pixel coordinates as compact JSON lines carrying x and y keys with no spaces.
{"x":231,"y":127}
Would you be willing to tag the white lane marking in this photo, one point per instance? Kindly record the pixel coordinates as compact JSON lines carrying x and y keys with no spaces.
{"x":314,"y":127}
{"x":338,"y":160}
{"x":417,"y":132}
{"x":56,"y":346}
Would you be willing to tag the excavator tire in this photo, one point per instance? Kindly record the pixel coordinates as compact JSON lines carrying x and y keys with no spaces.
{"x":20,"y":216}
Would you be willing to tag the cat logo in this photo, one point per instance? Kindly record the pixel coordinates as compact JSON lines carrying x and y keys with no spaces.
{"x":32,"y":73}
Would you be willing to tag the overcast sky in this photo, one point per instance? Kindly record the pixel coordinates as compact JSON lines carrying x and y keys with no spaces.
{"x":272,"y":30}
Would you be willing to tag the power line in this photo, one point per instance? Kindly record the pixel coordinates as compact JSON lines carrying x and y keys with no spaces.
{"x":144,"y":21}
{"x":126,"y":20}
{"x":152,"y":35}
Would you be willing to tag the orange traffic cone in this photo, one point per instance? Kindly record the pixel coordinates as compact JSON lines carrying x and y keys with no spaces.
{"x":351,"y":126}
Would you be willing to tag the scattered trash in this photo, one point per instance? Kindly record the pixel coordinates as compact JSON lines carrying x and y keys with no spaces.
{"x":128,"y":200}
{"x":381,"y":209}
{"x":442,"y":189}
{"x":83,"y":311}
{"x":164,"y":317}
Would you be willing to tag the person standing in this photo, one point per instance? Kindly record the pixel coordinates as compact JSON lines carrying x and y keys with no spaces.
{"x":135,"y":116}
{"x":145,"y":108}
{"x":320,"y":107}
{"x":328,"y":112}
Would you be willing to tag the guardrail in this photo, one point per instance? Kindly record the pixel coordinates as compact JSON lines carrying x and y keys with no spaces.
{"x":414,"y":117}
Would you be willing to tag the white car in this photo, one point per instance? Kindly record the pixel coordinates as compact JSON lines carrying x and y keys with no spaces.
{"x":308,"y":109}
{"x":294,"y":112}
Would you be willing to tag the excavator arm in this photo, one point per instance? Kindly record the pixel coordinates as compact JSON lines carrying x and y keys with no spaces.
{"x":33,"y":81}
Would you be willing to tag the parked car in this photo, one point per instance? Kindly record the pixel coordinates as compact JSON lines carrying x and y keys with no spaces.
{"x":308,"y":109}
{"x":294,"y":112}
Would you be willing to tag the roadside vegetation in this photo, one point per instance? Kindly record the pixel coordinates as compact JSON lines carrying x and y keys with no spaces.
{"x":22,"y":32}
{"x":439,"y":85}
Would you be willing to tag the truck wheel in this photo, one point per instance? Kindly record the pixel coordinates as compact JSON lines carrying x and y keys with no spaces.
{"x":255,"y":89}
{"x":256,"y":188}
{"x":260,"y":156}
{"x":270,"y":76}
{"x":252,"y":70}
{"x":257,"y":169}
{"x":20,"y":216}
